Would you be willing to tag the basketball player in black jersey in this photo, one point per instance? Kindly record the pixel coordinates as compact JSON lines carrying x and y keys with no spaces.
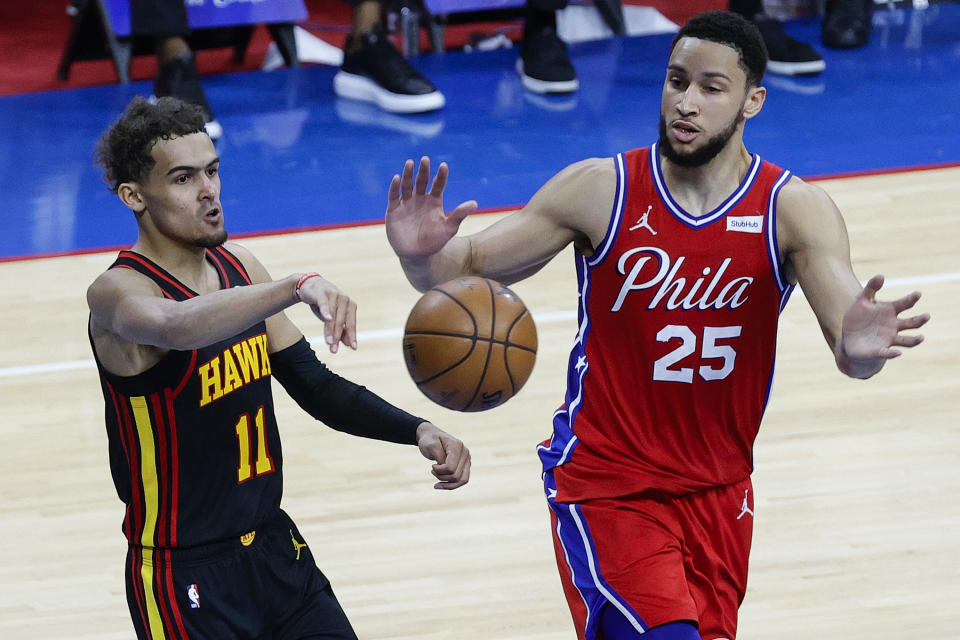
{"x":187,"y":331}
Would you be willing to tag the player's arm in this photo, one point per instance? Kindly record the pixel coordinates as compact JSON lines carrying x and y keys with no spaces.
{"x":862,"y":332}
{"x":337,"y":310}
{"x":338,"y":402}
{"x":132,"y":307}
{"x":574,"y":206}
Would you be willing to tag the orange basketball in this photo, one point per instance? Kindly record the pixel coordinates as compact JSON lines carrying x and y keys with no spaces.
{"x":470,"y":344}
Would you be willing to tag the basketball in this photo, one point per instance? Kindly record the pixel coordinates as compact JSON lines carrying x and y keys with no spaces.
{"x":470,"y":344}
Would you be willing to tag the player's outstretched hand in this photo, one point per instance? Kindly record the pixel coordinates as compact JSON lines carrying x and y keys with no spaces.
{"x":452,"y":458}
{"x":873,"y":329}
{"x":334,"y":307}
{"x":415,"y":221}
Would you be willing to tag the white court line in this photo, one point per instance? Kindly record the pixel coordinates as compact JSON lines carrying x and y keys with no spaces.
{"x":396,"y":333}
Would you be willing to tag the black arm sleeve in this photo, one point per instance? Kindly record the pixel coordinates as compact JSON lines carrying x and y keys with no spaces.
{"x":337,"y":402}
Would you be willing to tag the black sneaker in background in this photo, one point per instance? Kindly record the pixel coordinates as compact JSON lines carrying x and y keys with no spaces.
{"x":846,"y":24}
{"x":544,"y":65}
{"x":787,"y":56}
{"x":179,"y":78}
{"x":374,"y":71}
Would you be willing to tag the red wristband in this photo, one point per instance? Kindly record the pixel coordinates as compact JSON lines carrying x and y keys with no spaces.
{"x":301,"y":282}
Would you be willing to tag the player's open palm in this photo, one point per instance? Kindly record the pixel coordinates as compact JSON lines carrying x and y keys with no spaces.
{"x":416,"y":223}
{"x":873,"y":329}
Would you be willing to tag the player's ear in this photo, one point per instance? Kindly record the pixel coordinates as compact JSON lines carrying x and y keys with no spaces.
{"x":756,"y":96}
{"x":132,"y":196}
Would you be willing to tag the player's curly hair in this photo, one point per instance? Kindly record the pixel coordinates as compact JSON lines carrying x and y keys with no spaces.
{"x":735,"y":31}
{"x":123,"y":150}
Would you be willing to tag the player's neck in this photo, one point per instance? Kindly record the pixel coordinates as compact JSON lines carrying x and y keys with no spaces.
{"x":187,"y":263}
{"x":701,"y":189}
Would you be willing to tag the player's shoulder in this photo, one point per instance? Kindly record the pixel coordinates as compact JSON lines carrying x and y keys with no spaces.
{"x":250,"y":262}
{"x":806,"y":214}
{"x":590,"y":169}
{"x":798,"y":196}
{"x":239,"y":250}
{"x":584,"y":180}
{"x":120,"y":282}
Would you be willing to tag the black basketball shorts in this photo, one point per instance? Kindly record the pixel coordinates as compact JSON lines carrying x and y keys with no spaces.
{"x":264,"y":585}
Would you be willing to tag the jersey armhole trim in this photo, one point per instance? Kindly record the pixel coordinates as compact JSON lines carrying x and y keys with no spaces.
{"x":615,"y":215}
{"x":233,"y":260}
{"x":773,"y":247}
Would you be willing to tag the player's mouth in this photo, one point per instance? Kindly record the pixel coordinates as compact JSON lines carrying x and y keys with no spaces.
{"x":213,"y":215}
{"x":684,"y":131}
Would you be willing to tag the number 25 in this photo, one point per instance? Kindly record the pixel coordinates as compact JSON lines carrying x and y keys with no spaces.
{"x":709,"y":350}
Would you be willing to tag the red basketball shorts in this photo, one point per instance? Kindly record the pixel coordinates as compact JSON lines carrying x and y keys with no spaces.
{"x":656,"y":560}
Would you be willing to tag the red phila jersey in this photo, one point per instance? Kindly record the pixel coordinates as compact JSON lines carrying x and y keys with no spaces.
{"x":673,"y":360}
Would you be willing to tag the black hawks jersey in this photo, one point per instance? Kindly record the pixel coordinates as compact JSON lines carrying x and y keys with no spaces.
{"x":194,"y":447}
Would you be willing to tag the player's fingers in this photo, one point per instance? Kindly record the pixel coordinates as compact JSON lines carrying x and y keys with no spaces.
{"x":460,"y":478}
{"x":451,"y":482}
{"x":339,"y":321}
{"x":443,"y":473}
{"x":463,"y":469}
{"x":406,"y":180}
{"x":449,"y":486}
{"x":453,"y":459}
{"x":322,"y":310}
{"x":455,"y":472}
{"x":393,"y":193}
{"x":434,"y":451}
{"x":350,"y":326}
{"x":872,"y":286}
{"x":462,"y":455}
{"x":440,"y":181}
{"x":448,"y":458}
{"x":907,"y":301}
{"x":913,"y":322}
{"x":423,"y":175}
{"x":329,"y":324}
{"x":462,"y":211}
{"x":907,"y":341}
{"x":889,"y":353}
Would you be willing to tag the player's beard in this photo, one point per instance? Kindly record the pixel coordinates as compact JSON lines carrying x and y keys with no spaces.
{"x":213,"y":241}
{"x":701,"y":156}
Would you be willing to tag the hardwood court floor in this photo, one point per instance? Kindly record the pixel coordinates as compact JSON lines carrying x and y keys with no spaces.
{"x":857,"y":515}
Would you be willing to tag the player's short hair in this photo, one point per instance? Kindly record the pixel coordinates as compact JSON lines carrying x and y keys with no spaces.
{"x":735,"y":31}
{"x":123,"y":150}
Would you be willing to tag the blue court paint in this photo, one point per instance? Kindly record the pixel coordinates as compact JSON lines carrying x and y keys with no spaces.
{"x":294,"y":155}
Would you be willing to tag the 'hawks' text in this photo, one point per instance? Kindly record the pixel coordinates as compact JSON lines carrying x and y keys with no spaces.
{"x":242,"y":363}
{"x":732,"y":293}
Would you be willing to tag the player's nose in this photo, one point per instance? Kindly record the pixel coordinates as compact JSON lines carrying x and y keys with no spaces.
{"x":688,"y":103}
{"x":209,"y":188}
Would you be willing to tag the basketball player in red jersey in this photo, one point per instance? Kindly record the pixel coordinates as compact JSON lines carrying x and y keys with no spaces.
{"x":686,"y":252}
{"x":187,"y":331}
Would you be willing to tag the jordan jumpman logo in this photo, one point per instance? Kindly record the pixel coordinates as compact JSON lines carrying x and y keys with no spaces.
{"x":644,"y":222}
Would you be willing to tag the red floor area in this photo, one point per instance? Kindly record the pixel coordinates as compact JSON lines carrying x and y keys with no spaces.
{"x":33,"y":35}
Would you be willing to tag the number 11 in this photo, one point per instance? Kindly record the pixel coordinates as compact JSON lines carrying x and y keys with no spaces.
{"x":264,"y":462}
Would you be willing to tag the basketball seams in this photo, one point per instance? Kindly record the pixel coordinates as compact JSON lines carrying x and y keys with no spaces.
{"x":513,"y":325}
{"x":506,"y":343}
{"x":473,"y":346}
{"x":493,"y":326}
{"x":506,"y":351}
{"x":476,"y":329}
